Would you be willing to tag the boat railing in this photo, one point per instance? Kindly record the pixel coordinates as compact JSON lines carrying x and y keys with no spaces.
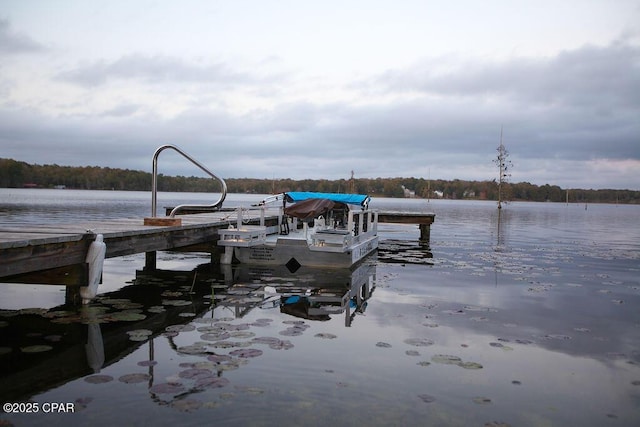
{"x":363,"y":223}
{"x":154,"y":183}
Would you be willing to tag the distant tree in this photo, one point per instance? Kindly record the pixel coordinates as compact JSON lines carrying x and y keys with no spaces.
{"x":17,"y":174}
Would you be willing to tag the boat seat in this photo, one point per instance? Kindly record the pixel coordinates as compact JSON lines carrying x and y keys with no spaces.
{"x":319,"y":223}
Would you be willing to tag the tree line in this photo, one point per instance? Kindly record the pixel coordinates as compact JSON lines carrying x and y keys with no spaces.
{"x":16,"y":174}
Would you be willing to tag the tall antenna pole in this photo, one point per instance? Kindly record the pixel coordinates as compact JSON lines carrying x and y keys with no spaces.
{"x":352,"y":184}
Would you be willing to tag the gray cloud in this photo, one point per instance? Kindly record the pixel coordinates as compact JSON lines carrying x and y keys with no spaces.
{"x":601,"y":78}
{"x":158,"y":69}
{"x":12,"y":43}
{"x":580,"y":103}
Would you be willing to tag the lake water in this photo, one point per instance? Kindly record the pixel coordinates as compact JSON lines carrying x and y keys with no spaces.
{"x":525,"y":317}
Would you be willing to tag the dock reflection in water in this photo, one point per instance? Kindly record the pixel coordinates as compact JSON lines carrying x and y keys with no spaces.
{"x":44,"y":349}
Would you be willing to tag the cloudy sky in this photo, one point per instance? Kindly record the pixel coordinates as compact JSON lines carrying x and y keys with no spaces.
{"x":315,"y":89}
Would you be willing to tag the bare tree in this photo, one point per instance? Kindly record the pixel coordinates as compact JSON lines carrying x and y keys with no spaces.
{"x":504,"y":164}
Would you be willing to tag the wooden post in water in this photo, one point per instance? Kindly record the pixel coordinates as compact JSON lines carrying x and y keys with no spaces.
{"x":425,"y":233}
{"x":150,"y":261}
{"x":72,"y":295}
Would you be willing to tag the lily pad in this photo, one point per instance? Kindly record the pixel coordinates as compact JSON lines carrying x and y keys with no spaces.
{"x":265,"y":340}
{"x":246,"y":352}
{"x":34,"y":310}
{"x":325,"y":336}
{"x":219,"y":358}
{"x":167,"y":388}
{"x":427,"y":398}
{"x":113,"y":301}
{"x":127,"y":306}
{"x":230,"y":366}
{"x":238,"y":327}
{"x":195,"y":373}
{"x":208,"y":328}
{"x":211,"y":382}
{"x":127,"y":316}
{"x":446,"y":359}
{"x":455,"y":360}
{"x":204,"y":365}
{"x":98,"y":379}
{"x":250,"y":390}
{"x":501,"y":346}
{"x":419,"y":342}
{"x":262,"y":322}
{"x":134,"y":378}
{"x":192,"y":349}
{"x":186,"y":405}
{"x":215,"y":336}
{"x":281,"y":345}
{"x":242,"y":334}
{"x":171,"y":294}
{"x":470,"y":365}
{"x":291,"y":332}
{"x":36,"y":348}
{"x":383,"y":344}
{"x":145,"y":332}
{"x":224,"y":344}
{"x":176,"y":302}
{"x":180,"y":328}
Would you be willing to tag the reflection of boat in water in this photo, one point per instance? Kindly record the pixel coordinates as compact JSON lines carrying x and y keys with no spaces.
{"x":319,"y":303}
{"x":319,"y":230}
{"x":309,"y":293}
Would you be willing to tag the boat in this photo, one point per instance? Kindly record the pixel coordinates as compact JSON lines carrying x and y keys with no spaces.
{"x":317,"y":229}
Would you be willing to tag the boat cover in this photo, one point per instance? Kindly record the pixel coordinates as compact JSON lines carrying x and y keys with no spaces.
{"x":312,"y":208}
{"x":351,"y":199}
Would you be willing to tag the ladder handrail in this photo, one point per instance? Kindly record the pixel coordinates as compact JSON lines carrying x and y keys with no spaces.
{"x":154,"y":183}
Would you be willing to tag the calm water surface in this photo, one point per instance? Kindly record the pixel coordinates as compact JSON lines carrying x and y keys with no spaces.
{"x":525,"y":317}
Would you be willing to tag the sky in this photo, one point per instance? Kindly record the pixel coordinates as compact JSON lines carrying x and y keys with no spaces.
{"x":317,"y":89}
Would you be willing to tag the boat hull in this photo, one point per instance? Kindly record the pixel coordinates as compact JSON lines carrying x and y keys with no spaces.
{"x":296,"y":252}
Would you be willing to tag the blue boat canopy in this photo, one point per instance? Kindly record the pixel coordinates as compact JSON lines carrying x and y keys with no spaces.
{"x":352,"y":199}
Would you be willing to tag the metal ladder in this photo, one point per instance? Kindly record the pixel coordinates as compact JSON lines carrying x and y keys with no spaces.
{"x":154,"y":183}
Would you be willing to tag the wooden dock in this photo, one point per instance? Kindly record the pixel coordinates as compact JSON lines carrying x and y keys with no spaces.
{"x":56,"y":253}
{"x":422,"y":219}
